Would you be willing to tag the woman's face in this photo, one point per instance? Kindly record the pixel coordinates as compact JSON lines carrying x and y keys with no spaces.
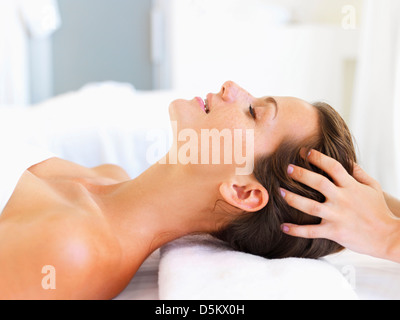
{"x":273,"y":119}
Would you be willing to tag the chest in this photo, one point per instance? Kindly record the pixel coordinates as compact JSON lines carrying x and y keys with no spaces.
{"x":55,"y":185}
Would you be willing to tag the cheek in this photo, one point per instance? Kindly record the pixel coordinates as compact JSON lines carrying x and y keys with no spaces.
{"x":227,"y":119}
{"x":219,"y":149}
{"x":242,"y":137}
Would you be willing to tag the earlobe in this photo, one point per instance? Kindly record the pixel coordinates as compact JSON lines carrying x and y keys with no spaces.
{"x":250,"y":197}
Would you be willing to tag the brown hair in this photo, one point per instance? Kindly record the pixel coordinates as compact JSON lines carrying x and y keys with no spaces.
{"x":259,"y":233}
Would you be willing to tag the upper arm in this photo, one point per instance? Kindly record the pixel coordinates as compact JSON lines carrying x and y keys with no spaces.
{"x":33,"y":269}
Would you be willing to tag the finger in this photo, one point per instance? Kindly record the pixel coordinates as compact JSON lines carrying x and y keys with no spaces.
{"x":306,"y":231}
{"x":313,"y":180}
{"x":311,"y":207}
{"x":331,"y":166}
{"x":361,"y":176}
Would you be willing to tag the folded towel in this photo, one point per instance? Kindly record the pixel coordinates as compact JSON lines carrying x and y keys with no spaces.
{"x":202,"y":267}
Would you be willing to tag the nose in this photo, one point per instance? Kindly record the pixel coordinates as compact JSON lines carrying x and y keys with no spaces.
{"x":230,"y":91}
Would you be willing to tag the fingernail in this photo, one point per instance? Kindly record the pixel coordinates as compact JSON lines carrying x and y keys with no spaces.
{"x":308,"y":154}
{"x":283,"y":193}
{"x":285,"y":228}
{"x":290,"y":170}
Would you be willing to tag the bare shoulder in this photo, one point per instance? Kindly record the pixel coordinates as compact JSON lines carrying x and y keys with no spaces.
{"x":64,"y":258}
{"x":88,"y":260}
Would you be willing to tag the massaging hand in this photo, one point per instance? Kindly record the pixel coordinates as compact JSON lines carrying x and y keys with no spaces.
{"x":354,"y":214}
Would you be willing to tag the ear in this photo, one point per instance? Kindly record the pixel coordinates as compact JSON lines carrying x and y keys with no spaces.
{"x":248,"y":196}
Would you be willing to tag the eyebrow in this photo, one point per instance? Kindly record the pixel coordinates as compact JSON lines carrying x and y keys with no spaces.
{"x":273,"y":101}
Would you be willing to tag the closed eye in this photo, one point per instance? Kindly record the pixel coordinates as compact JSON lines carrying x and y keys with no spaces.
{"x":252,"y":113}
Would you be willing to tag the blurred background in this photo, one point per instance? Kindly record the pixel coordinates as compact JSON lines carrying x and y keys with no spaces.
{"x":344,"y":52}
{"x":305,"y":47}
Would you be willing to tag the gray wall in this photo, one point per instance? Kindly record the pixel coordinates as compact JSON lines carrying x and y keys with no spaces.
{"x":102,"y":40}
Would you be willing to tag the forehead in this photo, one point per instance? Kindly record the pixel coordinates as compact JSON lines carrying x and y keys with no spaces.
{"x":298,"y":117}
{"x":294,"y":103}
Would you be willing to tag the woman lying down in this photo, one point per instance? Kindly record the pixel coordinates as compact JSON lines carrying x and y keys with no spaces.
{"x":95,"y":227}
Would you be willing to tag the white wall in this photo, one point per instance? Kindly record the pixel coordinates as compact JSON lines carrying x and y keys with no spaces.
{"x":320,"y":11}
{"x":269,"y":47}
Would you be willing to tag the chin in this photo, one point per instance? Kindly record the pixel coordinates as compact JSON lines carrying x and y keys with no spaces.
{"x":174,"y":109}
{"x":184,"y":112}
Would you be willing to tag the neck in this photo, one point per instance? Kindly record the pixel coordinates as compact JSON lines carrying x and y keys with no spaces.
{"x":162,"y":204}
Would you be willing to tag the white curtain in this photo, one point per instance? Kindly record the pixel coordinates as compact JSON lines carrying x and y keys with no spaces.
{"x":20,"y":19}
{"x":375,"y":119}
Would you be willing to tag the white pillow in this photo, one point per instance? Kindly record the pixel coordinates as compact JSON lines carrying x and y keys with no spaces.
{"x":201,"y":267}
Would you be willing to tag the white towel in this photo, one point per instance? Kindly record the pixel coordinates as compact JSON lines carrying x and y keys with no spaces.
{"x":201,"y":267}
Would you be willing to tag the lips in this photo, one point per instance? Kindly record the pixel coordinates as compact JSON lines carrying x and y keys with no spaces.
{"x":203,"y":104}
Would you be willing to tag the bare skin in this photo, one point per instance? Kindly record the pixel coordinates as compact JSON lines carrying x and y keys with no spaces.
{"x":52,"y":219}
{"x":97,"y":226}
